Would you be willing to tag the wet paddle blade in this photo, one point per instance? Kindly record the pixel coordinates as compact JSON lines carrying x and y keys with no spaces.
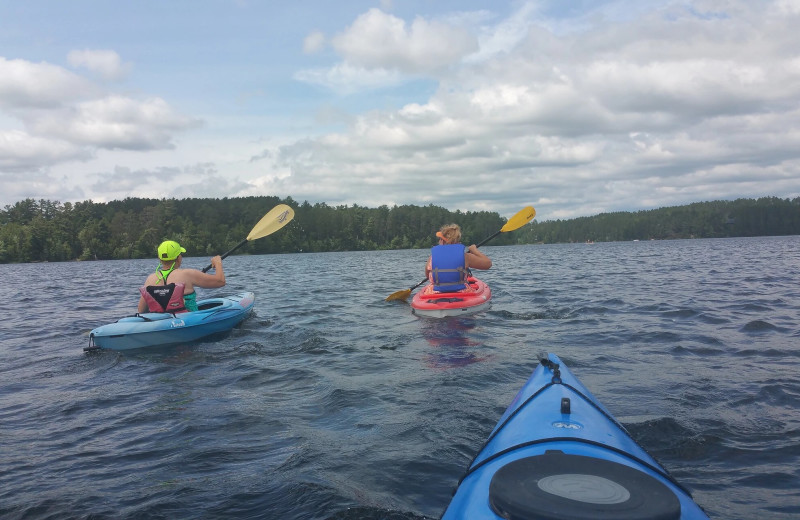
{"x":277,"y":217}
{"x":399,"y":295}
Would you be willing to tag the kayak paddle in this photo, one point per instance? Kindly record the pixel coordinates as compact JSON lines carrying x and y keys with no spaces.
{"x":522,"y":217}
{"x":277,"y":217}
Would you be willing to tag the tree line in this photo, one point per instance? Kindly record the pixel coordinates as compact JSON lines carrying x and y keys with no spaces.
{"x":44,"y":230}
{"x":767,"y":216}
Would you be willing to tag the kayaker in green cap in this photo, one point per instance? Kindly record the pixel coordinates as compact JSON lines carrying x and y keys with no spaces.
{"x":170,"y":288}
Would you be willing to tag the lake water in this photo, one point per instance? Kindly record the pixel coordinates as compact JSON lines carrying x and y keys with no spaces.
{"x":330,"y":403}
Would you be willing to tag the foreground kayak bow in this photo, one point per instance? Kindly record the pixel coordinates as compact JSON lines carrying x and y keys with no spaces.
{"x":557,"y":453}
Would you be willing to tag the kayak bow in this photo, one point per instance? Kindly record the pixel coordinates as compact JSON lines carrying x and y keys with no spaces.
{"x":557,"y":453}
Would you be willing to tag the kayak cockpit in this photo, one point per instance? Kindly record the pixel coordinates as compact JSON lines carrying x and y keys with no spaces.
{"x":208,"y":305}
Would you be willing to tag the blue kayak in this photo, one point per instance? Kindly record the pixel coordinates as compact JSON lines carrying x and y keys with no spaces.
{"x":151,"y":329}
{"x":557,"y":453}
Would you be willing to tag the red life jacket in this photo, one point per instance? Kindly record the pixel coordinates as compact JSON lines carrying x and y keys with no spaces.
{"x":164,"y":298}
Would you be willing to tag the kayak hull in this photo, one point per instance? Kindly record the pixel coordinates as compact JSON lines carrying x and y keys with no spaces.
{"x":558,"y":453}
{"x":150,"y":329}
{"x":433,"y":304}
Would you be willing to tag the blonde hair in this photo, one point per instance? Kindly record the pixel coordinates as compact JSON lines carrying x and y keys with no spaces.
{"x":451,"y":233}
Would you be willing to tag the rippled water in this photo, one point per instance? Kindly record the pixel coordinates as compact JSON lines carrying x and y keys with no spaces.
{"x":330,"y":403}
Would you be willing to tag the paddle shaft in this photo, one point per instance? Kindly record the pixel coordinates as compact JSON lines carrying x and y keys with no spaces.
{"x":237,"y":246}
{"x":489,"y":238}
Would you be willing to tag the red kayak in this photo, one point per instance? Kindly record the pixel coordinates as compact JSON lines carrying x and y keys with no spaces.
{"x":476,"y":297}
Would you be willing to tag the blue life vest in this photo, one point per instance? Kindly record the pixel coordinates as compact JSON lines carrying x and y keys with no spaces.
{"x":448,"y":269}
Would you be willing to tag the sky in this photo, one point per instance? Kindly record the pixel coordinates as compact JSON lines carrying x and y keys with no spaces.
{"x":576,"y":108}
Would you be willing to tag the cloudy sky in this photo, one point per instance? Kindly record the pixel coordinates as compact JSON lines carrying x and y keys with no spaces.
{"x":575,"y":107}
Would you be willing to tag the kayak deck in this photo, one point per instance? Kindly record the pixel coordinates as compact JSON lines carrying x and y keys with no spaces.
{"x":430,"y":303}
{"x":558,"y":453}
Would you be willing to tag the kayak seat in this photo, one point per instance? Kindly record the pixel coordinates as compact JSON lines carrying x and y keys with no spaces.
{"x":560,"y":486}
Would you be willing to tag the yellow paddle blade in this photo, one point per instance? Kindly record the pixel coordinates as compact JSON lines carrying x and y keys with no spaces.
{"x":399,"y":295}
{"x":522,"y":217}
{"x":277,"y":217}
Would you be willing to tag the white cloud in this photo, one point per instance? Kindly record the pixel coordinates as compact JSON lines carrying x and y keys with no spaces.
{"x":345,"y":78}
{"x":314,"y":42}
{"x":115,"y":122}
{"x":57,"y":106}
{"x":788,"y":6}
{"x":40,"y":185}
{"x":380,"y":50}
{"x":377,"y":40}
{"x":505,"y":36}
{"x":52,"y":117}
{"x":106,"y":63}
{"x":26,"y":85}
{"x":200,"y":180}
{"x":20,"y":152}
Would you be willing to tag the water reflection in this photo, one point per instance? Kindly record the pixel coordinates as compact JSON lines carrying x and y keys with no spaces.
{"x":453,"y":340}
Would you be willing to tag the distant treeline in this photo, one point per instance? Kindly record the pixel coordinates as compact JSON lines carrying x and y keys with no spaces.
{"x":34,"y":231}
{"x":43,"y":230}
{"x":768,"y":216}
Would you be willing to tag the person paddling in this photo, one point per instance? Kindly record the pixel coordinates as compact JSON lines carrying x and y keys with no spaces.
{"x":170,"y":288}
{"x":449,"y":264}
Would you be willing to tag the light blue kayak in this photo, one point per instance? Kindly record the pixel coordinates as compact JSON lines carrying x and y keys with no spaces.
{"x":151,"y":329}
{"x":557,"y":453}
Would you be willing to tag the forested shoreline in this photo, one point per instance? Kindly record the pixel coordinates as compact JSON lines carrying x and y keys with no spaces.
{"x":49,"y":231}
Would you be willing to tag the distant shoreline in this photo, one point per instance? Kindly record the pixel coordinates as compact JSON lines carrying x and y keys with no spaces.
{"x":49,"y":231}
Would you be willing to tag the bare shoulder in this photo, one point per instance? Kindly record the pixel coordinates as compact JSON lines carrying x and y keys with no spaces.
{"x":186,"y":275}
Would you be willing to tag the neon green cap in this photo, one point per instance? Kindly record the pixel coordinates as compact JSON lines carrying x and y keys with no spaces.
{"x":169,"y":250}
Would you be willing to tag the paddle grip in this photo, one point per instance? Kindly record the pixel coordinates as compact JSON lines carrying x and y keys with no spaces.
{"x":224,"y":256}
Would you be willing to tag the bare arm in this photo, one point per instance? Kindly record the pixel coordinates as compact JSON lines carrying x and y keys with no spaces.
{"x":477,"y":260}
{"x":210,"y":281}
